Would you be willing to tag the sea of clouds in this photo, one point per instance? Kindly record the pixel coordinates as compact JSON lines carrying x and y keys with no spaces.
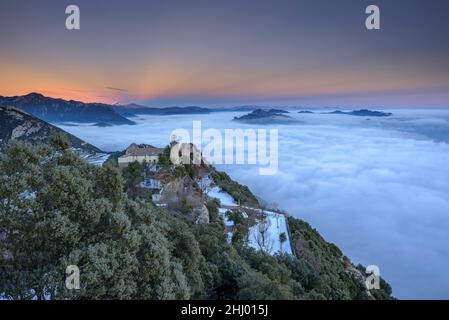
{"x":378,"y":188}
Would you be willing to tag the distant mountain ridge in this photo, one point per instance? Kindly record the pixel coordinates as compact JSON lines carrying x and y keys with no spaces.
{"x":60,"y":110}
{"x":16,"y":124}
{"x":103,"y":115}
{"x":362,"y":113}
{"x":133,"y":109}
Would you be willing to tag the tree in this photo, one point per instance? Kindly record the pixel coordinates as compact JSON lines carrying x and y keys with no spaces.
{"x":257,"y":286}
{"x":57,"y":210}
{"x":282,"y":239}
{"x":185,"y":207}
{"x":264,"y":242}
{"x":164,"y":157}
{"x":134,"y":173}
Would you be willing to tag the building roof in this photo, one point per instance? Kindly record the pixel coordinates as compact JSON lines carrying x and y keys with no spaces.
{"x":142,"y":150}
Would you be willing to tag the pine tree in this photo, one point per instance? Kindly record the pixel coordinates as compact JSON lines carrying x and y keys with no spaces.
{"x":56,"y":210}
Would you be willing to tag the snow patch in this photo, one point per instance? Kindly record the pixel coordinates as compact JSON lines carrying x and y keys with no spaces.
{"x":225,"y":198}
{"x":274,"y":225}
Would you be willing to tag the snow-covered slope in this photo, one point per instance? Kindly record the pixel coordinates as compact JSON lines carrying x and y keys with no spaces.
{"x":273,"y":226}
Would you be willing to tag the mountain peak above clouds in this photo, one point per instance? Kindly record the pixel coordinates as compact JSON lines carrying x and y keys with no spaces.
{"x":60,"y":110}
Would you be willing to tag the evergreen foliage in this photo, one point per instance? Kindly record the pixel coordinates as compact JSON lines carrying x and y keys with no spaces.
{"x":57,"y":210}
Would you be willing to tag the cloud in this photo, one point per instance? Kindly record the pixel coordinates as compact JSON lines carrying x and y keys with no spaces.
{"x":379,"y":189}
{"x":116,"y":89}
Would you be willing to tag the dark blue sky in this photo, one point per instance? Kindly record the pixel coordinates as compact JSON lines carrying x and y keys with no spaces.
{"x":215,"y":53}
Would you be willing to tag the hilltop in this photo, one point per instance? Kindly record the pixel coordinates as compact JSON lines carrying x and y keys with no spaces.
{"x":260,"y":116}
{"x":60,"y":110}
{"x":362,"y":113}
{"x":16,"y":124}
{"x":203,"y":195}
{"x":101,"y":114}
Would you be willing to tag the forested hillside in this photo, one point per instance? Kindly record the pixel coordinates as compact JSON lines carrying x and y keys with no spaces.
{"x":57,"y":210}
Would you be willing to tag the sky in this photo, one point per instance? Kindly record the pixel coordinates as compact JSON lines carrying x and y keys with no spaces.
{"x":225,"y":53}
